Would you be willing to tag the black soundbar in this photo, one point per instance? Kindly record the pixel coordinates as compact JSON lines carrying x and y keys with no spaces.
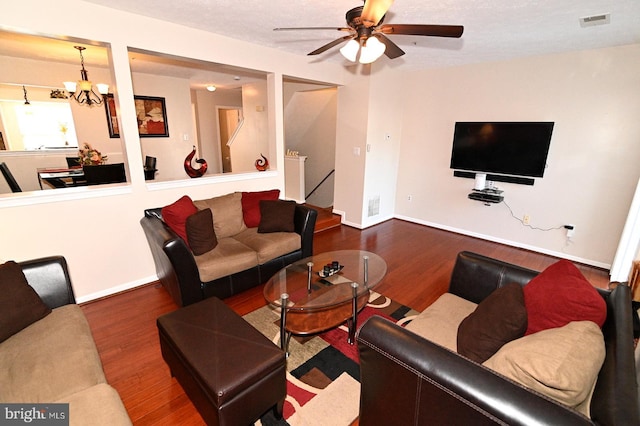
{"x":496,"y":178}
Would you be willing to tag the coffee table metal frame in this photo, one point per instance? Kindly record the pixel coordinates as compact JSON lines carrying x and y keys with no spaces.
{"x":290,"y":279}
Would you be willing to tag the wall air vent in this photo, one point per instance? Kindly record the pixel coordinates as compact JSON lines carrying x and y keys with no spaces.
{"x":374,"y":206}
{"x":590,"y":21}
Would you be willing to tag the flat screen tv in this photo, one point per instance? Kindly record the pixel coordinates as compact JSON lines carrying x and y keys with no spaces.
{"x":509,"y":148}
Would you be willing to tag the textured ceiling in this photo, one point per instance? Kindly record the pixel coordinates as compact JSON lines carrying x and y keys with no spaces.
{"x":494,"y":29}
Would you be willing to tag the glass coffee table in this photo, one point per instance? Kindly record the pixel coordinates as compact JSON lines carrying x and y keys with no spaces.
{"x":321,"y":292}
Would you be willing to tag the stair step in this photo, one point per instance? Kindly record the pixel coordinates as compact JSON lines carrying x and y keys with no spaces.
{"x":326,"y":219}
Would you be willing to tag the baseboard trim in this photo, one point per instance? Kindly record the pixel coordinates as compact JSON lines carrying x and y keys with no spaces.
{"x":114,"y":290}
{"x":553,"y":253}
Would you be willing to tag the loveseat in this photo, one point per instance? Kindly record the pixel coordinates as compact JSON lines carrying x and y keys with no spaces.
{"x":408,"y":378}
{"x":49,"y":355}
{"x":255,"y":233}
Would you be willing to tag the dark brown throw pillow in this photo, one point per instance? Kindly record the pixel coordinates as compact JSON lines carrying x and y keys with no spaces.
{"x":251,"y":205}
{"x":497,"y":320}
{"x":20,"y":305}
{"x":277,"y":216}
{"x":200,"y":233}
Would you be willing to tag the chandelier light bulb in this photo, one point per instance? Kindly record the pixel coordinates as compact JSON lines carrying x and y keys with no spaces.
{"x":103,"y":88}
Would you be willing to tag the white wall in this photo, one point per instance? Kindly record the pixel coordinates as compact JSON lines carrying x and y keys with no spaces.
{"x":97,"y":228}
{"x":351,"y":137}
{"x":384,"y":132}
{"x":593,"y":98}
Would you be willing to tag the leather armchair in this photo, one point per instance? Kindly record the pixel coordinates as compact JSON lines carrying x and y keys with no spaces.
{"x":407,"y":379}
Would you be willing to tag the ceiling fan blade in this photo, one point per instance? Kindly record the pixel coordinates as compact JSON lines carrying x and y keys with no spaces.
{"x":373,"y":11}
{"x":314,"y":28}
{"x":392,"y":51}
{"x":423,"y":30}
{"x":330,"y":45}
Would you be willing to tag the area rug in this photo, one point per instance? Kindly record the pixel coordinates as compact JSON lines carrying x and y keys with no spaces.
{"x":323,"y":371}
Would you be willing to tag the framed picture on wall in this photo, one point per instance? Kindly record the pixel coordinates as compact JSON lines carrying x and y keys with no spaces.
{"x":112,"y":119}
{"x":151,"y":113}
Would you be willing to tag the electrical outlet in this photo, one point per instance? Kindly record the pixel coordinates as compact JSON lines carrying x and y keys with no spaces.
{"x":571,"y":230}
{"x":526,"y":219}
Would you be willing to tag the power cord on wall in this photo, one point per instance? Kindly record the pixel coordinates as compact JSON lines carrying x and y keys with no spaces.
{"x":529,"y":225}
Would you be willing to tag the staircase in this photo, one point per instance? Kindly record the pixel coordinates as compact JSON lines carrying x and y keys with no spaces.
{"x":326,"y":218}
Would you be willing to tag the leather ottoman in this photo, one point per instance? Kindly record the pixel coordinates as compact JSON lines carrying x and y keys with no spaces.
{"x":231,"y":372}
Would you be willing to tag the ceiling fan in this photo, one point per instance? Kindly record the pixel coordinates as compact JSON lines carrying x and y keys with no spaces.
{"x":367,"y":38}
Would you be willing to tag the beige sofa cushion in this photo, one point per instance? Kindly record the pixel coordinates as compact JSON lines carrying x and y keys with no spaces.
{"x":439,"y":322}
{"x":51,"y":359}
{"x":561,"y":363}
{"x":227,"y":214}
{"x":271,"y":245}
{"x":96,"y":406}
{"x":229,"y":256}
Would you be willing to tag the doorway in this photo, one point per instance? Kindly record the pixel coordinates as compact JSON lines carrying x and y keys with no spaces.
{"x":229,"y":122}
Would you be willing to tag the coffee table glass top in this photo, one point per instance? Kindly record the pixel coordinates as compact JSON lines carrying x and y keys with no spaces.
{"x":325,"y":292}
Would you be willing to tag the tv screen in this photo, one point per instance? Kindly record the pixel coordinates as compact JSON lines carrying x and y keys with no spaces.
{"x":509,"y":148}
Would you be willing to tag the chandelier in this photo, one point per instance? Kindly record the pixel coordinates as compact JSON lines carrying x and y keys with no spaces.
{"x":85,"y":94}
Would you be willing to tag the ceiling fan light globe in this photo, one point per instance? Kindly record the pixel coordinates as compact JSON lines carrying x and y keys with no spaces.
{"x":350,"y":50}
{"x":371,"y":50}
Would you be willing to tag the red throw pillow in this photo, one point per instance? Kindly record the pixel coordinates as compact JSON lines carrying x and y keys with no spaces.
{"x":251,"y":205}
{"x":561,"y":294}
{"x":175,"y":215}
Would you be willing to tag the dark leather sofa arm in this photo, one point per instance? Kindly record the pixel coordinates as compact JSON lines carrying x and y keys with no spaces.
{"x":305,"y":223}
{"x":49,"y":277}
{"x":475,"y":276}
{"x":615,"y":398}
{"x":175,"y":265}
{"x":414,"y":381}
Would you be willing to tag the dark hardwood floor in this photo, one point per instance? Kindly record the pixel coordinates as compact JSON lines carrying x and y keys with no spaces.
{"x":419,"y":262}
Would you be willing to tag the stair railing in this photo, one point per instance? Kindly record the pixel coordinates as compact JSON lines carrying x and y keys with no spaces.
{"x":321,"y":182}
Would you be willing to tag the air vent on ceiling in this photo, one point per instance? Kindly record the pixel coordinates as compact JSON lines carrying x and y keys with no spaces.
{"x":590,"y":21}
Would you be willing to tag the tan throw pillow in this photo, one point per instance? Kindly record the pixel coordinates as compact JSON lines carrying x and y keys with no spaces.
{"x":561,"y":363}
{"x":200,"y":233}
{"x":277,"y":216}
{"x":20,"y":305}
{"x":500,"y":318}
{"x":227,"y":214}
